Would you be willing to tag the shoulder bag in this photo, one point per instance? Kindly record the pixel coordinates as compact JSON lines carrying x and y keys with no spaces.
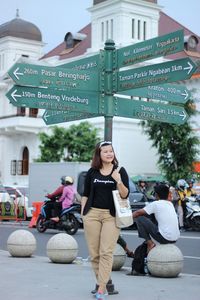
{"x":123,"y":210}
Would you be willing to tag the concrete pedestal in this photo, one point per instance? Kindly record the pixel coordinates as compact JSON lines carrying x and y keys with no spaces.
{"x":119,"y":258}
{"x":21,"y":243}
{"x":165,"y":261}
{"x":62,"y":248}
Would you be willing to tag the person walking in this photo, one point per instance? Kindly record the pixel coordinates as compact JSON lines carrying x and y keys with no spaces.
{"x":165,"y":230}
{"x":98,"y":211}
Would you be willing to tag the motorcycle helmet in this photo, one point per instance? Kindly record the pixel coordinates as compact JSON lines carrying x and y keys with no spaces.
{"x":69,"y":180}
{"x":63,"y":179}
{"x":190,"y":181}
{"x":182,"y":184}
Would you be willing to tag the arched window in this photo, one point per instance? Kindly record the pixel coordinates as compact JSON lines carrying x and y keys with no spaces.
{"x":69,"y":40}
{"x":25,"y":161}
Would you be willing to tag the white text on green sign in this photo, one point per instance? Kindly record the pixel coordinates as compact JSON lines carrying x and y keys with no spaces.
{"x":54,"y":99}
{"x":85,"y":64}
{"x":145,"y":110}
{"x":149,"y":49}
{"x":165,"y":92}
{"x":54,"y":117}
{"x":54,"y":77}
{"x":171,"y":71}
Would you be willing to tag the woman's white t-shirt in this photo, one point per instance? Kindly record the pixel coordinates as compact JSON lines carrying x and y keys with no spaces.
{"x":166,"y":217}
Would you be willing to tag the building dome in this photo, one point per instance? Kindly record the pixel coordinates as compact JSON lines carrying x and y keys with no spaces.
{"x":21,"y":29}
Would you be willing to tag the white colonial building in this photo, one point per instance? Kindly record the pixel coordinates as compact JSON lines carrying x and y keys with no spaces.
{"x":124,"y":21}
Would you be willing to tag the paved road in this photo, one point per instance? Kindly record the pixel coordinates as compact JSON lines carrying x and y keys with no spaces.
{"x":189,"y":243}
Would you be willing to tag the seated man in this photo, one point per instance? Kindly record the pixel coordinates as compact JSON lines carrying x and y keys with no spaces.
{"x":166,"y":230}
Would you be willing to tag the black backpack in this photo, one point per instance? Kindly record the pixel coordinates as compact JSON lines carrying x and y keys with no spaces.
{"x":138,"y":264}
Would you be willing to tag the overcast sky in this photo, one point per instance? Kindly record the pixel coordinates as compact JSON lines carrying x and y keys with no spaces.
{"x":56,"y":18}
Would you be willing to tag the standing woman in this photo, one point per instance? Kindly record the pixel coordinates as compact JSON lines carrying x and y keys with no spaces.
{"x":99,"y":212}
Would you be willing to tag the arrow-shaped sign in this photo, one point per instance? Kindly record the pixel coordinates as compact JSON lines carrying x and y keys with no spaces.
{"x":17,"y":74}
{"x":54,"y":99}
{"x":189,"y":67}
{"x":14,"y":95}
{"x":54,"y":77}
{"x":170,"y":71}
{"x":165,"y":92}
{"x":147,"y":110}
{"x":54,"y":117}
{"x":152,"y":48}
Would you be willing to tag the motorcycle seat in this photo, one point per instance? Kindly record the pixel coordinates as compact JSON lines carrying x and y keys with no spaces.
{"x":67,"y":210}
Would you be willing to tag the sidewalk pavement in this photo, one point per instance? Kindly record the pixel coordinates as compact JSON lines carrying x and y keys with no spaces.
{"x":37,"y":278}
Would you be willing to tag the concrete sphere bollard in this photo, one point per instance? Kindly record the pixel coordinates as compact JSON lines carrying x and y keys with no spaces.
{"x":119,"y":258}
{"x":62,"y":248}
{"x":21,"y":243}
{"x":165,"y":261}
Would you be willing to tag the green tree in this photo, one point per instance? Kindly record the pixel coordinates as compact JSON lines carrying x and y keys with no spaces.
{"x":81,"y":140}
{"x":52,"y":146}
{"x":78,"y":141}
{"x":177,"y":146}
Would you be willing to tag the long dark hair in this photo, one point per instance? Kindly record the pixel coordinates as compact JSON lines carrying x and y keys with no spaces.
{"x":96,"y":160}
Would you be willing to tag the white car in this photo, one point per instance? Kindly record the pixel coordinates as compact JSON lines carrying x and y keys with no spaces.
{"x":20,"y":195}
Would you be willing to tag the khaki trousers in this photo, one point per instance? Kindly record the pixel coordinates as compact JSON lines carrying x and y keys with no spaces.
{"x":101,"y":234}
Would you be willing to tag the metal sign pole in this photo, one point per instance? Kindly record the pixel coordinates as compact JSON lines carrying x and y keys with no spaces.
{"x":109,"y":78}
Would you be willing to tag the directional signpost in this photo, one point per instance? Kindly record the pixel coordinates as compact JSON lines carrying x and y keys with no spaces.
{"x":54,"y":117}
{"x":146,"y":110}
{"x":54,"y":77}
{"x":149,"y":49}
{"x":165,"y":92}
{"x":85,"y":88}
{"x":54,"y":99}
{"x":171,"y":71}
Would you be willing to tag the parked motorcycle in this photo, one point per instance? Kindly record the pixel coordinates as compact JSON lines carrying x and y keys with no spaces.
{"x":70,"y":219}
{"x":192,"y":213}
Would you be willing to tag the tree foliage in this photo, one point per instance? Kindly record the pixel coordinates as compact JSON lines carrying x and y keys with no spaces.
{"x":81,"y":140}
{"x":52,"y":146}
{"x":73,"y":144}
{"x":177,"y":146}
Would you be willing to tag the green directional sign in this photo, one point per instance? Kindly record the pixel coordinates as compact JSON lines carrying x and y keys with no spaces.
{"x":54,"y":77}
{"x":149,"y":49}
{"x":166,"y":92}
{"x":53,"y":116}
{"x":54,"y":99}
{"x":146,"y":110}
{"x":170,"y":71}
{"x":89,"y":63}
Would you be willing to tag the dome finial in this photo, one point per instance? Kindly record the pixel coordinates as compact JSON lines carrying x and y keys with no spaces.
{"x":17,"y":13}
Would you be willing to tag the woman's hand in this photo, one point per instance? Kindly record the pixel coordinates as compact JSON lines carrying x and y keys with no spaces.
{"x":116,"y":176}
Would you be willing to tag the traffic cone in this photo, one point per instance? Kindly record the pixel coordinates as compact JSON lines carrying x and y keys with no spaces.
{"x":36,"y":211}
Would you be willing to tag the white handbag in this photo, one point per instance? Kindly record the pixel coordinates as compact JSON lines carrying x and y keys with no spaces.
{"x":123,"y":215}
